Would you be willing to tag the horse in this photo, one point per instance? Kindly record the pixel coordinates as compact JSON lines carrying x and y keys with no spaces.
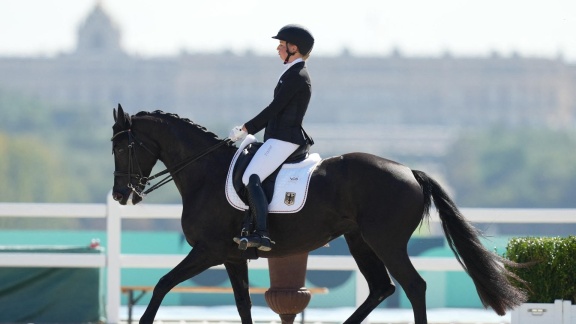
{"x":375,"y":203}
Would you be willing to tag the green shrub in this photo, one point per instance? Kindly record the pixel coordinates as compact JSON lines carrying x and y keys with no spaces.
{"x":553,"y":275}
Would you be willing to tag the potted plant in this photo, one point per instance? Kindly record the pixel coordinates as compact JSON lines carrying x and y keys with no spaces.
{"x":551,"y":279}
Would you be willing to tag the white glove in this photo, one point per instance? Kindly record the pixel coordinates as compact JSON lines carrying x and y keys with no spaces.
{"x":237,"y":133}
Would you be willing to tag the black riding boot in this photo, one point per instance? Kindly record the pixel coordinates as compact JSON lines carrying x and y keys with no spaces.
{"x":259,"y":207}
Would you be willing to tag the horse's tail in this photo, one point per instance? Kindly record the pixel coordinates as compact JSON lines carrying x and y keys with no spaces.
{"x":485,"y":268}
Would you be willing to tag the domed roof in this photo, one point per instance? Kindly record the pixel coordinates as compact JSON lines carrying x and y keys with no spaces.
{"x":98,"y":34}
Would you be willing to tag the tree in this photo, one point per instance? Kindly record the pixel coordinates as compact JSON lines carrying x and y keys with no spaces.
{"x":53,"y":152}
{"x":31,"y":172}
{"x":513,"y":168}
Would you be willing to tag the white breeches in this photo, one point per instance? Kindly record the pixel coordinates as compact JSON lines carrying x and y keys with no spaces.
{"x":268,"y":158}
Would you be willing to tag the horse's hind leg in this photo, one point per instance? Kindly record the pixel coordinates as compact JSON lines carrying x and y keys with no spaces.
{"x":402,"y":269}
{"x":393,"y":251}
{"x":374,"y":271}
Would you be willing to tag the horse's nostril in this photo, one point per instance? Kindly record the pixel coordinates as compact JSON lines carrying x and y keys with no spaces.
{"x":117,"y":196}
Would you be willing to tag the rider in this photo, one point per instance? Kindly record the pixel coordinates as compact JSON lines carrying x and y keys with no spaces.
{"x":283,"y":122}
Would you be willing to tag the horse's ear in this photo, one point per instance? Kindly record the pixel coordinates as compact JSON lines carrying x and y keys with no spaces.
{"x":118,"y":112}
{"x":121,"y":118}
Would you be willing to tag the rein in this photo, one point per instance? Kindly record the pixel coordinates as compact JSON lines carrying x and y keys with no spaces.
{"x":144,"y":181}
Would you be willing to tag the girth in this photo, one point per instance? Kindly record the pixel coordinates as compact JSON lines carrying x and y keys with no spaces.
{"x":244,"y":159}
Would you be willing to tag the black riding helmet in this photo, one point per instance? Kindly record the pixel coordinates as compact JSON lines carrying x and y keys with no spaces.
{"x":297,"y":35}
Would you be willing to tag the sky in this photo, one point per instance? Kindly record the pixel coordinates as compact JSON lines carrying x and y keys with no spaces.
{"x":535,"y":28}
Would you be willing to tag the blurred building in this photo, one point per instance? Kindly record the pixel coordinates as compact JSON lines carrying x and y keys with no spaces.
{"x":391,"y":105}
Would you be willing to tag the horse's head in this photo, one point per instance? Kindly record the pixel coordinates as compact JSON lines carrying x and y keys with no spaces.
{"x":133,"y":160}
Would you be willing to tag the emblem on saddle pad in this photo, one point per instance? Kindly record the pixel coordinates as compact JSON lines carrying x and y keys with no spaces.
{"x":289,"y":198}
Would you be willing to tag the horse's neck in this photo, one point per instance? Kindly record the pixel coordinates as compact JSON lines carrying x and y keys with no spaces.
{"x":209,"y":168}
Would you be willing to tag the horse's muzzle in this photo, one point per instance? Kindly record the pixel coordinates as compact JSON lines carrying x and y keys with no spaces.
{"x":117,"y":196}
{"x":126,"y":197}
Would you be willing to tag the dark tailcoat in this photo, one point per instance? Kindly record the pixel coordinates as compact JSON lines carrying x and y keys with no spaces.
{"x":283,"y":117}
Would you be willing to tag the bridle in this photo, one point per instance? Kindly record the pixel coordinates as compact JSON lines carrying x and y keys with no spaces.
{"x":144,"y":181}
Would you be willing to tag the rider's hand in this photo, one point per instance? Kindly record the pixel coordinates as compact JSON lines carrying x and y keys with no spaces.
{"x":237,"y":133}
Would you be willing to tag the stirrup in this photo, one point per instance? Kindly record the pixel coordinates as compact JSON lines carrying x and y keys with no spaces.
{"x":262,"y":242}
{"x":245,"y":242}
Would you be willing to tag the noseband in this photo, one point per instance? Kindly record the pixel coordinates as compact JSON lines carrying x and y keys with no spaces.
{"x":144,"y":181}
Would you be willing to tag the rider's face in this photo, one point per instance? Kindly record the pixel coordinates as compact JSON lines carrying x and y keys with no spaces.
{"x":282,"y":50}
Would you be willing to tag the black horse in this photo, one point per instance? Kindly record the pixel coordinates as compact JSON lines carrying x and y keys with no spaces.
{"x":375,"y":203}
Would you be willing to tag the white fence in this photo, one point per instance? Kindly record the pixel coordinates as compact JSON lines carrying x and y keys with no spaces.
{"x":113,"y":261}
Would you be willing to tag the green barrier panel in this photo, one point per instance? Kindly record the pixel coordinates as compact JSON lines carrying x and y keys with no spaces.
{"x":51,"y":295}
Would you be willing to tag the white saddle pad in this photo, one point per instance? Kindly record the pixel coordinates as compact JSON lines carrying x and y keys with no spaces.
{"x":290,"y":190}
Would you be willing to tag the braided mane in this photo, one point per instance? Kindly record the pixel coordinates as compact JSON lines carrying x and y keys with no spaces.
{"x":161,"y":116}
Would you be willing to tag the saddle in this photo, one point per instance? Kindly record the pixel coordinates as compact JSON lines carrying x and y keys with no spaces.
{"x":244,"y":159}
{"x":286,"y":189}
{"x":290,"y":179}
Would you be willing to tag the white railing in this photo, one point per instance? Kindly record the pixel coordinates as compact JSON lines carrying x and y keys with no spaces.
{"x":113,"y":260}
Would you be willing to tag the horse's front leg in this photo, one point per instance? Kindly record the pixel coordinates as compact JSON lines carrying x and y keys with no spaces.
{"x":238,"y":274}
{"x":197,"y":261}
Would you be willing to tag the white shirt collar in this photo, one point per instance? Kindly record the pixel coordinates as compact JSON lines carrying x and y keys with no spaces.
{"x":289,"y":65}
